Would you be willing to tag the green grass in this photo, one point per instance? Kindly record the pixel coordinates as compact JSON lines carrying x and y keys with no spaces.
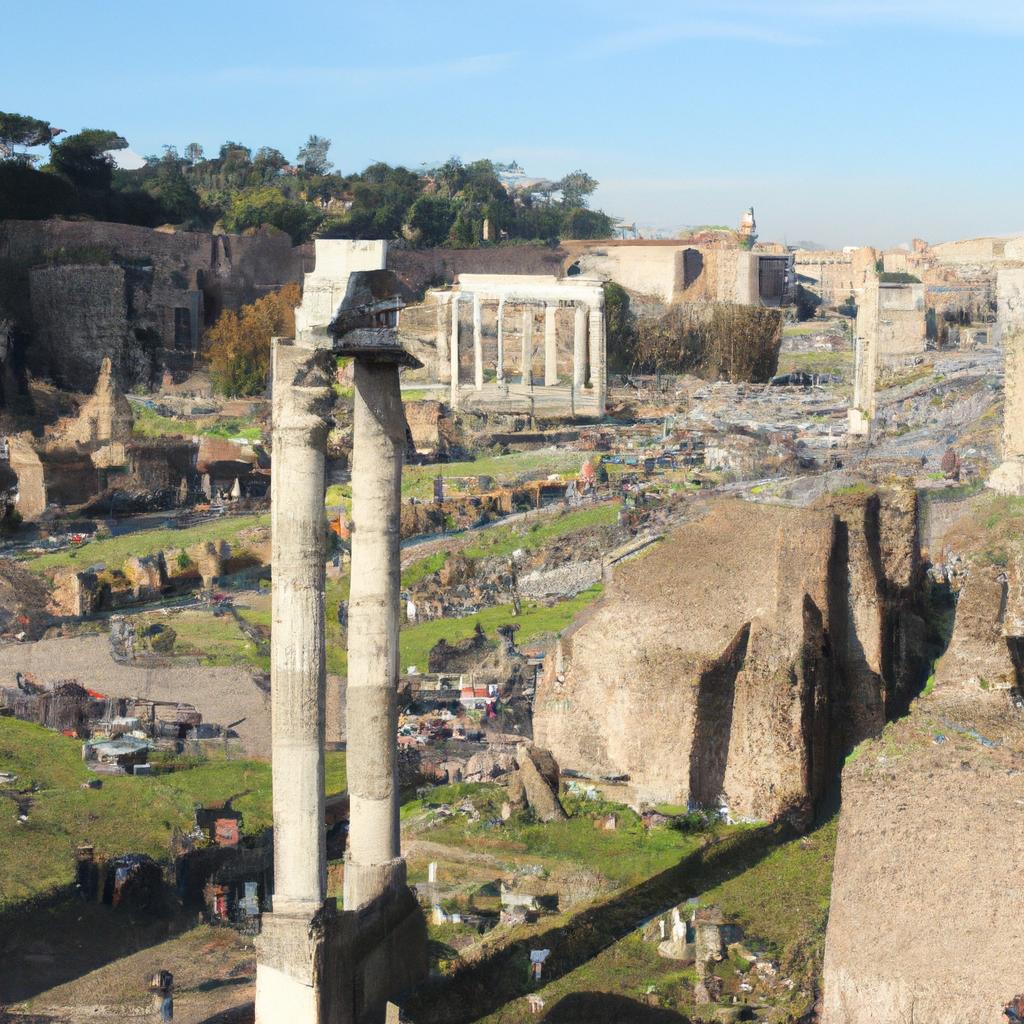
{"x":126,"y":815}
{"x":503,"y":540}
{"x":149,"y":423}
{"x":418,"y":481}
{"x":783,"y":899}
{"x":839,"y":363}
{"x":534,"y":620}
{"x":217,"y":639}
{"x":624,"y":856}
{"x":423,"y":567}
{"x":115,"y":551}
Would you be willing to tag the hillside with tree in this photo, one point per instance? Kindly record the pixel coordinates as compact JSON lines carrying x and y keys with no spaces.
{"x":238,"y":189}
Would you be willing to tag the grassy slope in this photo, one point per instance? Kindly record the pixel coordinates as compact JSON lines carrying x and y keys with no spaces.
{"x":125,"y":815}
{"x":151,"y":424}
{"x":418,"y":481}
{"x":114,"y":551}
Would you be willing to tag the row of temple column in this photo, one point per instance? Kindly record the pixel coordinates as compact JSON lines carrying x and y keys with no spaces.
{"x":587,"y":352}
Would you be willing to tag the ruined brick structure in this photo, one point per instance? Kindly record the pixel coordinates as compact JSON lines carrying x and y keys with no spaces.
{"x":78,"y":291}
{"x":737,"y":663}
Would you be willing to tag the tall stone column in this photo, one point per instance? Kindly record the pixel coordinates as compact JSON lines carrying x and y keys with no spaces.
{"x":579,"y":346}
{"x":550,"y":345}
{"x":478,"y":345}
{"x":527,"y":360}
{"x":373,"y":863}
{"x":454,"y":352}
{"x":598,"y":357}
{"x":1008,"y":477}
{"x":443,"y":360}
{"x":289,"y":972}
{"x":865,"y":359}
{"x":501,"y":343}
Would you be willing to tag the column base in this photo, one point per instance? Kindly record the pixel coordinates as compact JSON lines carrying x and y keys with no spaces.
{"x":365,"y":883}
{"x":1008,"y":478}
{"x":294,"y":953}
{"x":860,"y":425}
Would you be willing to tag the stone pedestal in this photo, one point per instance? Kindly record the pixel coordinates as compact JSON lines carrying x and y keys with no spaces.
{"x":1008,"y":478}
{"x":293,"y":982}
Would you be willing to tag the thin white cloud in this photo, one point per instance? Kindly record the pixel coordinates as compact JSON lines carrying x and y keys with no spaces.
{"x":358,"y":78}
{"x":983,"y":17}
{"x":649,"y":36}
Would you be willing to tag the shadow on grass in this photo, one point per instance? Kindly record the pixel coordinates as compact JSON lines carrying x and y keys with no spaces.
{"x":483,"y":986}
{"x":607,"y":1008}
{"x":49,"y":941}
{"x":245,"y":1013}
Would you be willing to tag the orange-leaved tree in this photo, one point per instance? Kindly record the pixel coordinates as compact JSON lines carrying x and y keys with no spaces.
{"x":238,"y":344}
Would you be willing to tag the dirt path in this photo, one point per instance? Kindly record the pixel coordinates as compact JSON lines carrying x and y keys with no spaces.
{"x":223,"y":695}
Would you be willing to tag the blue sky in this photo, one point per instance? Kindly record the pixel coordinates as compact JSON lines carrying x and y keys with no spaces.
{"x":841,"y":121}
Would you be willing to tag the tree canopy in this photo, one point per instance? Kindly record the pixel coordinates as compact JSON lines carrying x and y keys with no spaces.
{"x":456,"y":204}
{"x":238,"y":344}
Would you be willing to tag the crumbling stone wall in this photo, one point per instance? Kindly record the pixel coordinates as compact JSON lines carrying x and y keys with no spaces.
{"x":80,"y":318}
{"x":739,"y":661}
{"x":419,"y":269}
{"x":153,"y":289}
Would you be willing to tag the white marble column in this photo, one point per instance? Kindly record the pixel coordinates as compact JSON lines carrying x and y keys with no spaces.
{"x":454,"y":352}
{"x":1008,"y":477}
{"x":598,"y":357}
{"x":527,"y":364}
{"x":550,"y":345}
{"x":478,"y":345}
{"x":500,"y":376}
{"x":579,"y":346}
{"x":443,"y":360}
{"x":290,"y":946}
{"x":865,"y":360}
{"x":373,"y":864}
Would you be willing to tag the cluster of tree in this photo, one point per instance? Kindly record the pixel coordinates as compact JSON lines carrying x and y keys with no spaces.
{"x":717,"y":341}
{"x":238,"y":344}
{"x":456,"y":204}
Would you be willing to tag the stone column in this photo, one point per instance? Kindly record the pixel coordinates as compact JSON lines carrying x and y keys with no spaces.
{"x":1008,"y":477}
{"x":865,"y":359}
{"x":598,"y":356}
{"x":478,"y":345}
{"x":454,"y":352}
{"x":291,"y":946}
{"x":373,"y":864}
{"x":443,"y":361}
{"x":579,"y":346}
{"x":527,"y":366}
{"x":550,"y":344}
{"x":501,"y":343}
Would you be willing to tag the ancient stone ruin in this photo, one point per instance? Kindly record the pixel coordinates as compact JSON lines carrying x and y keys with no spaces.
{"x":1008,"y":478}
{"x":317,"y":963}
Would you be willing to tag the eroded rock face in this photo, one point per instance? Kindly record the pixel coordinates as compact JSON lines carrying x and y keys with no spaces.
{"x":737,"y":662}
{"x":979,"y":655}
{"x":927,"y":912}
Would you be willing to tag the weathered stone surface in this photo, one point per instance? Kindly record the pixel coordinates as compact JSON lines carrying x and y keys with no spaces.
{"x":978,"y":656}
{"x":736,"y":662}
{"x":928,"y":860}
{"x":538,"y":774}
